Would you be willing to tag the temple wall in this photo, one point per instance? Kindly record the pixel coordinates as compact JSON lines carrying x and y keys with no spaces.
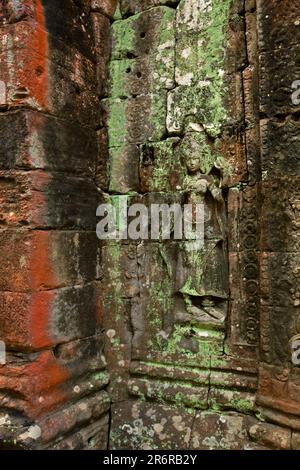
{"x":137,"y":344}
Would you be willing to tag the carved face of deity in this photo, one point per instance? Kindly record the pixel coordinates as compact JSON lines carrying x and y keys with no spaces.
{"x":193,"y":163}
{"x":196,"y":161}
{"x":196,"y":154}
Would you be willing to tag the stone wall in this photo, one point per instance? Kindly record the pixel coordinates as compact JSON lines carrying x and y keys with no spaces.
{"x":181,"y":74}
{"x":136,"y":344}
{"x":182,"y":79}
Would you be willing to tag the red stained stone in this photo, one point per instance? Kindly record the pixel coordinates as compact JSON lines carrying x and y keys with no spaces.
{"x":42,"y":377}
{"x":24,"y":319}
{"x":24,"y":67}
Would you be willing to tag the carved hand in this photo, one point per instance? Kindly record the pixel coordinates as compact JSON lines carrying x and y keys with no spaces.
{"x":201,"y":186}
{"x":216,"y":193}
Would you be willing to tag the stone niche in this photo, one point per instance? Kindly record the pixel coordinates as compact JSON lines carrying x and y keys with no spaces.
{"x":183,"y":319}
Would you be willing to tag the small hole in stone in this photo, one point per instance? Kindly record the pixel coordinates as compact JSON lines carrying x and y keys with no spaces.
{"x":77,"y":89}
{"x":39,"y":70}
{"x":57,"y":351}
{"x":138,"y":74}
{"x":91,"y":441}
{"x":143,"y":35}
{"x":128,"y":70}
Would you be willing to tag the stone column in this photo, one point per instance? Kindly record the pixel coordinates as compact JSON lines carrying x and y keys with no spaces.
{"x":279,"y":33}
{"x":54,"y":373}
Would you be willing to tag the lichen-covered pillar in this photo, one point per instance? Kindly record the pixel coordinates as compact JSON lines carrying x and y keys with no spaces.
{"x":53,"y":375}
{"x":183,"y":125}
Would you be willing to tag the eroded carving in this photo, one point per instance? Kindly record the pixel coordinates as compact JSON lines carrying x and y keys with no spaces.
{"x":201,"y":274}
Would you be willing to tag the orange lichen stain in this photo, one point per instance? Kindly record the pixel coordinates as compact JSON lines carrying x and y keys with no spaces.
{"x":40,"y":319}
{"x":42,"y":269}
{"x":38,"y":384}
{"x":47,"y":377}
{"x":39,"y":65}
{"x":24,"y":68}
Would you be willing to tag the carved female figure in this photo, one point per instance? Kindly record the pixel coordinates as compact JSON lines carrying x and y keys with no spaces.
{"x":201,"y":275}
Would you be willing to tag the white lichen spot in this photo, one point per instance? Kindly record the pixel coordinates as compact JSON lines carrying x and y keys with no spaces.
{"x":76,"y":240}
{"x":103,"y":360}
{"x":2,"y":93}
{"x":203,"y":334}
{"x":5,"y":421}
{"x":173,"y":114}
{"x":195,"y":126}
{"x":83,"y":406}
{"x":195,"y":441}
{"x":186,"y":79}
{"x":127,"y":428}
{"x":111,"y":334}
{"x":178,"y":423}
{"x":76,"y":389}
{"x":135,"y":411}
{"x":150,"y":412}
{"x":211,"y":442}
{"x":166,"y":45}
{"x":138,"y":423}
{"x":192,"y":13}
{"x":34,"y":432}
{"x":204,"y":83}
{"x":162,"y":334}
{"x":146,"y":447}
{"x":158,"y":428}
{"x":186,"y":52}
